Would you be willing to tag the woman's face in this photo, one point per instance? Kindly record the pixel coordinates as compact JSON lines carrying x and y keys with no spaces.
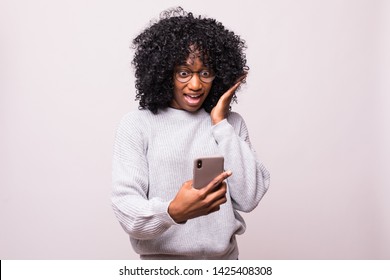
{"x":190,"y":90}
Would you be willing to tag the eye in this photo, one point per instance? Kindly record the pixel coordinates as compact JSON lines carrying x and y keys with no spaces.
{"x":183,"y":73}
{"x":205,"y":73}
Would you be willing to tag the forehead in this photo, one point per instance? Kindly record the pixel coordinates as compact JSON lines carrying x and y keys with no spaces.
{"x":193,"y":63}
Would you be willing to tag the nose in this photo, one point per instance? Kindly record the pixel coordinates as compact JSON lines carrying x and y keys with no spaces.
{"x":195,"y":83}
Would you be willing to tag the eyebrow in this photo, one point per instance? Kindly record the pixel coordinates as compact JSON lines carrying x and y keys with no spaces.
{"x":188,"y":65}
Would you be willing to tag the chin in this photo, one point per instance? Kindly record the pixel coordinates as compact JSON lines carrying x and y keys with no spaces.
{"x":192,"y":109}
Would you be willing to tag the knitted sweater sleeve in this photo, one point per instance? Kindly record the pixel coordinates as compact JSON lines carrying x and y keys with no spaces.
{"x":140,"y":217}
{"x":250,"y":179}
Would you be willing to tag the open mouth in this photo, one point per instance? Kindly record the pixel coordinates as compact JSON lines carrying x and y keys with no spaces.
{"x":193,"y":99}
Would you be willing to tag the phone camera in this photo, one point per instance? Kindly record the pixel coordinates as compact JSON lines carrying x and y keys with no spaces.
{"x":199,"y":164}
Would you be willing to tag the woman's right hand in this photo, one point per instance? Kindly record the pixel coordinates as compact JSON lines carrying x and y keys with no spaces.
{"x":190,"y":203}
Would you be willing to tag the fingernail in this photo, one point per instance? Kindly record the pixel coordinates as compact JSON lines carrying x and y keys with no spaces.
{"x":229,"y":173}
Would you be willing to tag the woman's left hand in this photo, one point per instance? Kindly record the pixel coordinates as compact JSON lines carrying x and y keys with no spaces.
{"x":220,"y":111}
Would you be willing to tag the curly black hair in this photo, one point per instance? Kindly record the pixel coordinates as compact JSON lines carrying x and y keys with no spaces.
{"x":169,"y":41}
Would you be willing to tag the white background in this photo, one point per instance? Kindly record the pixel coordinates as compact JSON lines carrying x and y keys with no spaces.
{"x":316,"y":105}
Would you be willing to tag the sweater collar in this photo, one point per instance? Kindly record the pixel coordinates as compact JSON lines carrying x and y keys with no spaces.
{"x":183,"y":113}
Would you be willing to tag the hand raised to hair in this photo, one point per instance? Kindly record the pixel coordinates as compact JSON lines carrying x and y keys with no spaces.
{"x":220,"y":111}
{"x":190,"y":203}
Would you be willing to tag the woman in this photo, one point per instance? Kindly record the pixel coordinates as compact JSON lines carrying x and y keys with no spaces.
{"x":187,"y":71}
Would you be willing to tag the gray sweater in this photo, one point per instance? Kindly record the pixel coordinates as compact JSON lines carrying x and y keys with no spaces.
{"x":153,"y":157}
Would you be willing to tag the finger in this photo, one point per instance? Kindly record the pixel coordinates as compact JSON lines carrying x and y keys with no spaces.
{"x":188,"y":184}
{"x":219,"y":197}
{"x":217,"y":205}
{"x":221,"y":201}
{"x":217,"y":193}
{"x":242,"y":77}
{"x":229,"y":93}
{"x":238,"y":82}
{"x":235,"y":86}
{"x":215,"y":209}
{"x":221,"y":177}
{"x":217,"y":181}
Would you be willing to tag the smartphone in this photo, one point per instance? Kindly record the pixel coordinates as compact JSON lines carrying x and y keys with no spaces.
{"x":206,"y":169}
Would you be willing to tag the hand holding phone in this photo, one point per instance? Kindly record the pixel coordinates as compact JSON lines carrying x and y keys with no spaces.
{"x":190,"y":203}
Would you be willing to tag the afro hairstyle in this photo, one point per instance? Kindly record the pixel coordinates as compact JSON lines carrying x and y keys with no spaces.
{"x":169,"y":41}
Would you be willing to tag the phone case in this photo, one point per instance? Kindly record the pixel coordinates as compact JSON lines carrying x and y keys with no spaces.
{"x":206,"y":169}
